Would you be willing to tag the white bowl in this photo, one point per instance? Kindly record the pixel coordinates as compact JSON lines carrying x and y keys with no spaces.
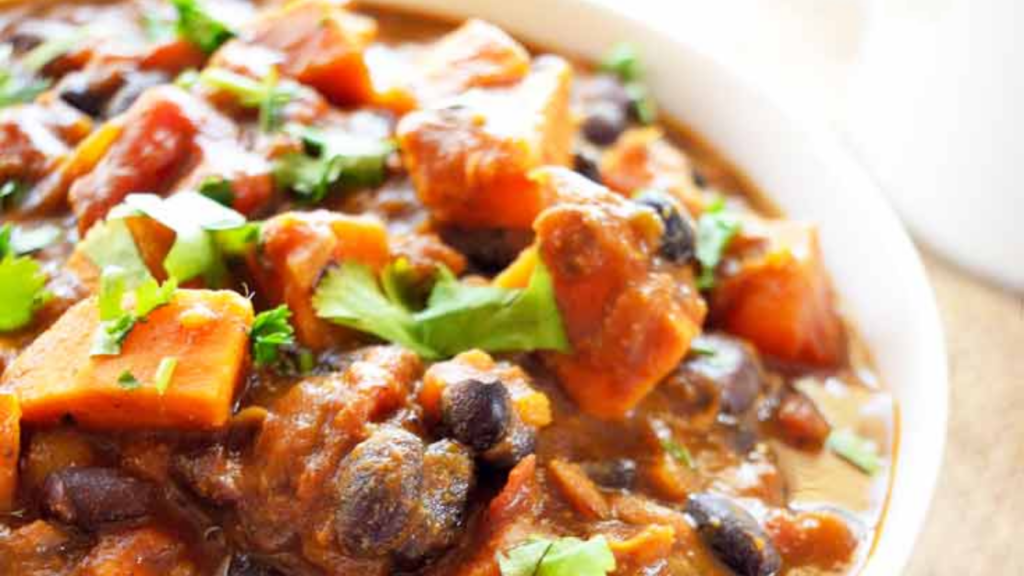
{"x":876,"y":269}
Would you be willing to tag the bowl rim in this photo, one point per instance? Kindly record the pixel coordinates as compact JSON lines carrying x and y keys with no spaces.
{"x":913,"y":477}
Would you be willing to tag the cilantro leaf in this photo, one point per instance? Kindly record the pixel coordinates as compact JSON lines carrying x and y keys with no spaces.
{"x":198,"y":26}
{"x":271,"y":330}
{"x":110,"y":243}
{"x":457,"y":317}
{"x":269,"y":96}
{"x":116,"y":322}
{"x":460,"y":316}
{"x":331,"y":160}
{"x":349,"y":295}
{"x":716,"y":228}
{"x":855,"y":449}
{"x":128,"y":381}
{"x":219,"y":190}
{"x":164,"y":374}
{"x":559,"y":557}
{"x":22,"y":286}
{"x":623,"y":61}
{"x":194,"y":218}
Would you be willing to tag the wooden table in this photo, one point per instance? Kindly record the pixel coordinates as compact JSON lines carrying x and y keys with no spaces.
{"x":977,"y":518}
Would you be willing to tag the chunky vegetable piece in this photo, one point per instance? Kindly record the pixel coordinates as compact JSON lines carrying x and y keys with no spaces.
{"x":10,"y":449}
{"x":776,"y":294}
{"x":471,"y":160}
{"x":206,"y":331}
{"x":298,"y":247}
{"x":475,"y":55}
{"x":643,"y":158}
{"x":157,"y":142}
{"x":629,"y":319}
{"x":322,"y":45}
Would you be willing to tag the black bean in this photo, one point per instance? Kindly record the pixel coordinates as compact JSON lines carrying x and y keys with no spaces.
{"x":448,"y":476}
{"x":699,"y":179}
{"x":136,"y":84}
{"x":520,"y":442}
{"x":91,"y":497}
{"x":245,"y":565}
{"x":79,"y":90}
{"x":732,"y":366}
{"x":378,"y":488}
{"x":733,"y":535}
{"x":587,"y":161}
{"x":616,"y":473}
{"x":604,"y":122}
{"x":678,"y":241}
{"x":477,"y":413}
{"x":603,"y":88}
{"x":488,"y":250}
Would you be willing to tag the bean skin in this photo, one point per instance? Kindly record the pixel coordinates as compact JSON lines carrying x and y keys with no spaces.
{"x":91,"y":497}
{"x":733,"y":535}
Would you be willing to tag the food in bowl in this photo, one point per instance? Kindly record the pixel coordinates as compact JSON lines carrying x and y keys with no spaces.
{"x":301,"y":289}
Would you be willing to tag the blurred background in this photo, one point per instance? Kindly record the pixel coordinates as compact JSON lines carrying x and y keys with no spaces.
{"x":929,"y":95}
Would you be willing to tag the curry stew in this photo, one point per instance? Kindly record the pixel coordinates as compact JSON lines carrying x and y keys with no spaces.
{"x":309,"y":289}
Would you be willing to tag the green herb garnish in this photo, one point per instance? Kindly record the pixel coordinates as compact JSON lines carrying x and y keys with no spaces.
{"x":116,"y":321}
{"x":269,"y":96}
{"x":558,"y":557}
{"x":198,"y":26}
{"x":271,"y":331}
{"x":716,"y":228}
{"x":164,"y":373}
{"x":855,"y":449}
{"x":39,"y":57}
{"x":331,"y":160}
{"x":16,"y":88}
{"x":219,"y":190}
{"x":128,"y":381}
{"x":623,"y":61}
{"x":22,"y":285}
{"x":457,"y":316}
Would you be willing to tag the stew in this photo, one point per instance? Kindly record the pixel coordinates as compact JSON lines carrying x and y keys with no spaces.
{"x":304,"y":289}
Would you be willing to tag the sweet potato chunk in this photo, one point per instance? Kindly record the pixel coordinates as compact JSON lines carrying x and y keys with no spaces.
{"x":470,"y":163}
{"x":206,"y":331}
{"x":297,"y":246}
{"x":323,"y":46}
{"x":629,"y":316}
{"x":10,"y":446}
{"x":157,"y":144}
{"x":475,"y":55}
{"x":643,"y":158}
{"x":138,"y":552}
{"x":776,"y":294}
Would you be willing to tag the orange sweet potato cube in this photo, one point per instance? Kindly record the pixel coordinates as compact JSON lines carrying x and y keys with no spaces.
{"x":206,"y":332}
{"x":776,"y":293}
{"x":298,"y":246}
{"x":642,"y":158}
{"x":470,"y":163}
{"x":323,"y":46}
{"x":475,"y":55}
{"x":10,"y":447}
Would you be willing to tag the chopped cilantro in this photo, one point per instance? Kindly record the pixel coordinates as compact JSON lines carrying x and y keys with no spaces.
{"x":164,"y":374}
{"x":623,"y":61}
{"x":715,"y":230}
{"x":457,"y":316}
{"x":195,"y":220}
{"x":269,"y":96}
{"x":271,"y":331}
{"x":110,"y":243}
{"x":128,"y":381}
{"x":558,"y":557}
{"x":22,"y":285}
{"x":158,"y":28}
{"x":698,"y":348}
{"x":219,"y":190}
{"x":670,"y":445}
{"x":16,"y":88}
{"x":855,"y":449}
{"x":198,"y":26}
{"x":116,"y":322}
{"x":37,"y":58}
{"x":331,"y":160}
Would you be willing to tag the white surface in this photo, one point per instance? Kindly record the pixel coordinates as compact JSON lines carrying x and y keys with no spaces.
{"x":875,"y":267}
